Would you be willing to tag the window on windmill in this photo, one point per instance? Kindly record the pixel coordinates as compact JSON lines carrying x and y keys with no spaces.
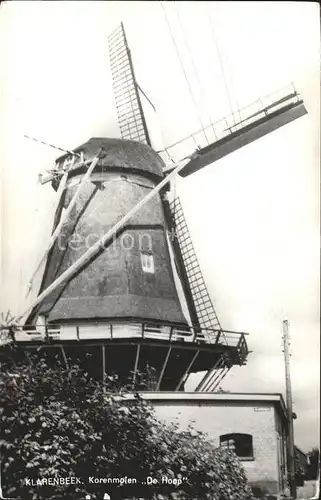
{"x":147,"y":260}
{"x":241,"y":444}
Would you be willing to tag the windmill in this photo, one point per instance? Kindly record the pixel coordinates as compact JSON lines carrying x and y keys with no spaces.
{"x":121,"y":289}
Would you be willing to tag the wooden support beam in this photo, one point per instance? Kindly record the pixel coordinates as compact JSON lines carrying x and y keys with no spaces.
{"x":289,"y":408}
{"x":61,"y":188}
{"x":64,"y":356}
{"x":196,"y":333}
{"x":186,"y":373}
{"x":212,"y":383}
{"x":204,"y":380}
{"x":212,"y":386}
{"x":46,"y":332}
{"x":163,"y":368}
{"x":67,"y":213}
{"x":72,"y":270}
{"x":104,"y":362}
{"x":207,"y":376}
{"x":215,"y":374}
{"x":218,"y":336}
{"x":136,"y":365}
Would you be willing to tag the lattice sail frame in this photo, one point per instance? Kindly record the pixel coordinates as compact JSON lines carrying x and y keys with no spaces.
{"x":227,"y":135}
{"x":206,"y":313}
{"x":131,"y":120}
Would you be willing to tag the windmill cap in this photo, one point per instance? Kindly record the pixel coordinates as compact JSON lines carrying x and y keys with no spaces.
{"x":123,"y":154}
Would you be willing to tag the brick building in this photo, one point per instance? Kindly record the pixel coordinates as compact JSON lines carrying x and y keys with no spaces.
{"x":255,"y":423}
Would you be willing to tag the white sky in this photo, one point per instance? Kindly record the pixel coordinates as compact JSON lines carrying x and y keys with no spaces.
{"x":253,"y":215}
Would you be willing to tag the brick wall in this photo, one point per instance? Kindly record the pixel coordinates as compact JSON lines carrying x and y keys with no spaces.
{"x":257,"y":419}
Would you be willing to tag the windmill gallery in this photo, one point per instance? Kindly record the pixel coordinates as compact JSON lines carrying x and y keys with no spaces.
{"x":120,"y":279}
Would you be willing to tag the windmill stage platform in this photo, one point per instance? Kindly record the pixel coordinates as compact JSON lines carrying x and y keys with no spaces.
{"x":109,"y":347}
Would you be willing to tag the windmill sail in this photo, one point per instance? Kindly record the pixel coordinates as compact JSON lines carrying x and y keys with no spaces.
{"x":206,"y":314}
{"x":131,"y":118}
{"x":256,"y":120}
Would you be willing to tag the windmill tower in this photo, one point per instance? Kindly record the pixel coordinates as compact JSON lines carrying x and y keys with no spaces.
{"x":121,"y":290}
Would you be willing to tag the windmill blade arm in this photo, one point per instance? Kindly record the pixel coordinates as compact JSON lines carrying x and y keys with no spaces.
{"x":259,"y":119}
{"x":131,"y":119}
{"x":199,"y":296}
{"x":266,"y":109}
{"x":244,"y":135}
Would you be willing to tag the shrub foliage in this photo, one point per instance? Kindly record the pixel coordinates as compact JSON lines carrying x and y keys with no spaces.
{"x":58,"y":422}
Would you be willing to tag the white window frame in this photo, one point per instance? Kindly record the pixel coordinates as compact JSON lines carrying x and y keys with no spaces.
{"x":232,"y":444}
{"x":147,"y":261}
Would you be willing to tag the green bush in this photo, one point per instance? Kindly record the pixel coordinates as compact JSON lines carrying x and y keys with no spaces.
{"x":58,"y":422}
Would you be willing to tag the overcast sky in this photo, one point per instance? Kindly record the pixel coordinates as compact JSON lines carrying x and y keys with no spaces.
{"x":253,"y":215}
